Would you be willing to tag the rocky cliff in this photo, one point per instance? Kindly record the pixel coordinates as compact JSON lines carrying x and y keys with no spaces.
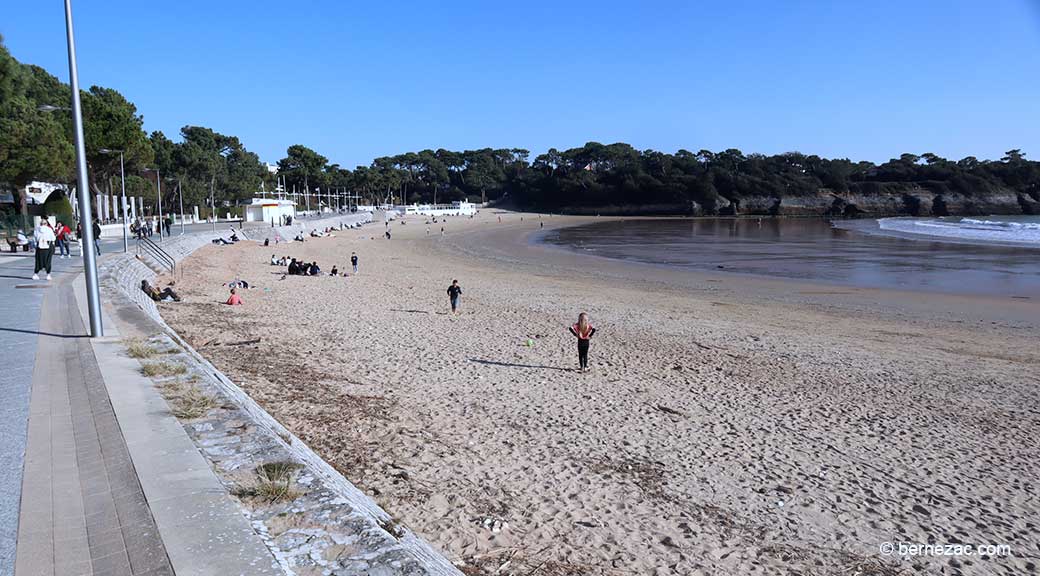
{"x":914,"y":202}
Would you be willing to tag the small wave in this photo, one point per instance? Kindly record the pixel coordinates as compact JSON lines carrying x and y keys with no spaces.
{"x":1003,"y":224}
{"x":986,"y":231}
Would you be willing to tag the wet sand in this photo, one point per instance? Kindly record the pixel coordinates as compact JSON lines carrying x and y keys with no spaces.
{"x":730,"y":424}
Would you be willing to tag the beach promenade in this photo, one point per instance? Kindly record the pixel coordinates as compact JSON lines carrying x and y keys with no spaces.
{"x":99,"y":476}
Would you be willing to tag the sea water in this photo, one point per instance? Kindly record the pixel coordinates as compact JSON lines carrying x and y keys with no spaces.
{"x":1010,"y":230}
{"x":982,"y":260}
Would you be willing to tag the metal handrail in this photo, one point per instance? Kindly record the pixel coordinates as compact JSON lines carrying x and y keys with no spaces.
{"x":157,"y":253}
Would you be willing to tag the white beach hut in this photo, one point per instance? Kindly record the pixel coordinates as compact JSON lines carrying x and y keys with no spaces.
{"x":269,"y":209}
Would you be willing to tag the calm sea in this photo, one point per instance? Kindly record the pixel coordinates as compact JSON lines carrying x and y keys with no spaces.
{"x":984,"y":255}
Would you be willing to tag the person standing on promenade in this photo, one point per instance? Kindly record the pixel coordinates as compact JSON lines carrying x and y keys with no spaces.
{"x":44,"y":236}
{"x":583,"y":331}
{"x":97,"y":236}
{"x":454,"y":292}
{"x":61,"y":233}
{"x":353,"y":261}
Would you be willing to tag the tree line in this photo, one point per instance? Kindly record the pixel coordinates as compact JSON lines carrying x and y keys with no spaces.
{"x":36,"y":145}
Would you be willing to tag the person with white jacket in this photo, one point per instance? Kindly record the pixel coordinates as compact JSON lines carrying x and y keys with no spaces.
{"x":45,"y":239}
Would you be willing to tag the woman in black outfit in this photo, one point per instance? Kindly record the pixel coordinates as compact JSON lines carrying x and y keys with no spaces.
{"x":583,"y":330}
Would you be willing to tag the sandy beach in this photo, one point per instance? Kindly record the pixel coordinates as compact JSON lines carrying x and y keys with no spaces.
{"x":729,"y":424}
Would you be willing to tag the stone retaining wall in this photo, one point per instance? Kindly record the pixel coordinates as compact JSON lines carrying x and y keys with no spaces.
{"x":121,"y":277}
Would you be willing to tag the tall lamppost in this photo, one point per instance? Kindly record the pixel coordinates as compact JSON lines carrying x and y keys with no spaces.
{"x":158,"y":188}
{"x":89,"y":260}
{"x":122,"y":185}
{"x":180,"y":194}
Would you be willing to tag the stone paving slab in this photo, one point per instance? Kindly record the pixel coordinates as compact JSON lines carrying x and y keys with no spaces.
{"x":82,"y":508}
{"x":19,"y":323}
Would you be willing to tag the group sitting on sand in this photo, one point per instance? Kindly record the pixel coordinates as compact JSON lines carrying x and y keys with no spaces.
{"x":301,"y":268}
{"x":221,"y":241}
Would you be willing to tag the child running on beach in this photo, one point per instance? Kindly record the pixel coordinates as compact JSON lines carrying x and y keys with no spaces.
{"x":583,"y":330}
{"x":454,"y":291}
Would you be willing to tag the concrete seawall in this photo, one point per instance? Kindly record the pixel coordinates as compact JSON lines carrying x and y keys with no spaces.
{"x":403,"y":551}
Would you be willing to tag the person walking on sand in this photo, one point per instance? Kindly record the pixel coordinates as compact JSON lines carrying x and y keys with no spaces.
{"x":44,"y":236}
{"x":583,"y":331}
{"x":454,"y":292}
{"x":353,"y":261}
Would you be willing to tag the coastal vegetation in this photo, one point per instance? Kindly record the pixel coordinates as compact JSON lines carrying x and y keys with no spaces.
{"x":594,"y":178}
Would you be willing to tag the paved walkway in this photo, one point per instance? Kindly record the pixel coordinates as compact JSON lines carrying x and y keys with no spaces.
{"x":19,"y":324}
{"x":82,"y":507}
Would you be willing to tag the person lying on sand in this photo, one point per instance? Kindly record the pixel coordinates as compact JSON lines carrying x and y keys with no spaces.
{"x":167,"y":294}
{"x":234,"y":299}
{"x":583,"y":330}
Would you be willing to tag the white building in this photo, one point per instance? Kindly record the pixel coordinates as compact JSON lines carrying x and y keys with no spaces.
{"x":38,"y":192}
{"x":269,"y":210}
{"x":456,"y":208}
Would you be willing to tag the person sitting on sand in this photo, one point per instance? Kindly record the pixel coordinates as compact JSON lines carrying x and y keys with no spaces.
{"x":314,"y":270}
{"x":234,"y":299}
{"x":583,"y":330}
{"x":274,"y":260}
{"x":294,"y":267}
{"x":284,"y":261}
{"x":334,"y":272}
{"x":454,"y":292}
{"x":299,"y":237}
{"x":154,"y":293}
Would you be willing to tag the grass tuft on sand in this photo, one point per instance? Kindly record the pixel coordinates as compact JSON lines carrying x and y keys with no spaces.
{"x":186,"y":401}
{"x":137,"y":348}
{"x":272,"y":482}
{"x":158,"y":369}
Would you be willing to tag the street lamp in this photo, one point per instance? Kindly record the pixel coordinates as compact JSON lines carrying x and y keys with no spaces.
{"x":122,"y":185}
{"x":89,"y":261}
{"x":180,"y":193}
{"x":158,"y":187}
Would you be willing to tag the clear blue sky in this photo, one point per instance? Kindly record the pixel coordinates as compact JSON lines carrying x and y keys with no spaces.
{"x":356,"y":80}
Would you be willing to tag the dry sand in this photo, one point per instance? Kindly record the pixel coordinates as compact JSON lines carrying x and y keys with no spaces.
{"x":729,"y":425}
